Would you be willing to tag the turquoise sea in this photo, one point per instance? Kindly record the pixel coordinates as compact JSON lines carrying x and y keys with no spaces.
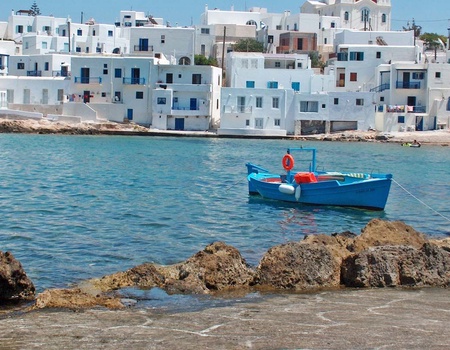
{"x":77,"y":207}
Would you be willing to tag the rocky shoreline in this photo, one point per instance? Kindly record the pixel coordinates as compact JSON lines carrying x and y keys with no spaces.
{"x":385,"y":254}
{"x":45,"y":126}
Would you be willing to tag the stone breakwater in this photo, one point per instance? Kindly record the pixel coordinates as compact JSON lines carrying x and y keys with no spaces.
{"x":385,"y":254}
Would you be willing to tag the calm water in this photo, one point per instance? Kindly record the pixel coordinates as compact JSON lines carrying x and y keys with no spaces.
{"x":77,"y":207}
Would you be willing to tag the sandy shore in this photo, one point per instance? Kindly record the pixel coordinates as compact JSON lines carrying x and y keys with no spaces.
{"x":44,"y":126}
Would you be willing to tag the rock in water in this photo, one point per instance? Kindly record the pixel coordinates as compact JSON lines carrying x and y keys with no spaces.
{"x":14,"y":283}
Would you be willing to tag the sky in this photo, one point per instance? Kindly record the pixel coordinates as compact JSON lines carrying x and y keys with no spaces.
{"x":432,"y":15}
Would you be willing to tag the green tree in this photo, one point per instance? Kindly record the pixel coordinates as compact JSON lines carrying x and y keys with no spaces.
{"x":316,"y":59}
{"x":34,"y":10}
{"x":201,"y":60}
{"x":248,"y":45}
{"x":433,"y":41}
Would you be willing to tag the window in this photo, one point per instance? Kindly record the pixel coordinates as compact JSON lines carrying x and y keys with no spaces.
{"x":353,"y":76}
{"x":300,"y":44}
{"x":383,"y":18}
{"x":110,"y":33}
{"x":437,"y":75}
{"x":46,"y":29}
{"x":324,"y":106}
{"x":20,"y":65}
{"x":381,"y":98}
{"x":333,"y":25}
{"x":204,"y":30}
{"x":346,"y":16}
{"x":163,"y":39}
{"x":196,"y":78}
{"x":309,"y":106}
{"x":259,"y":101}
{"x":250,"y":84}
{"x":401,"y":119}
{"x":117,"y":73}
{"x":275,"y":102}
{"x":295,"y":86}
{"x":161,"y":100}
{"x":247,"y":122}
{"x":418,"y":75}
{"x":103,"y":94}
{"x":378,"y":54}
{"x":448,"y":104}
{"x":277,"y":64}
{"x":336,"y":101}
{"x":105,"y":71}
{"x":356,"y":56}
{"x":241,"y":104}
{"x":46,"y":66}
{"x":272,"y":85}
{"x":276,"y":122}
{"x":29,"y":29}
{"x":19,"y":29}
{"x":139,"y":95}
{"x":360,"y":102}
{"x":60,"y":94}
{"x":299,"y":65}
{"x":278,"y":27}
{"x":78,"y":49}
{"x":79,"y":32}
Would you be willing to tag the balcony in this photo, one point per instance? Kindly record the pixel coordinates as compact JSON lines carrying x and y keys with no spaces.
{"x":88,"y":80}
{"x":237,"y":109}
{"x":34,"y":73}
{"x":381,"y":88}
{"x":143,"y":48}
{"x":407,"y":85}
{"x":134,"y":81}
{"x":203,"y":88}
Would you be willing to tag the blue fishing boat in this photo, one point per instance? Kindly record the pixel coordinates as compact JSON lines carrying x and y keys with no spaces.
{"x":313,"y":187}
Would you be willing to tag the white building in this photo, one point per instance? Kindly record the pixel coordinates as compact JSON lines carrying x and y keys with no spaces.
{"x":176,"y":42}
{"x":281,"y":94}
{"x":354,"y":14}
{"x":186,"y":97}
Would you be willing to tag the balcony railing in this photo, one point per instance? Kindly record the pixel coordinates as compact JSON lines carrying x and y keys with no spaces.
{"x":34,"y":73}
{"x":88,"y":80}
{"x":418,"y":109}
{"x":143,"y":48}
{"x":408,"y":85}
{"x":134,"y":81}
{"x":381,"y":88}
{"x":59,"y":73}
{"x":237,"y":109}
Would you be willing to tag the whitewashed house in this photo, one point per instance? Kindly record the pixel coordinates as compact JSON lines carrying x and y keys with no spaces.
{"x":354,"y":14}
{"x":277,"y":95}
{"x":40,"y":65}
{"x":151,"y":41}
{"x":186,"y":97}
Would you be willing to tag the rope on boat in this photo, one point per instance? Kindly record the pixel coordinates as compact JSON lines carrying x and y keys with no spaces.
{"x":404,"y":189}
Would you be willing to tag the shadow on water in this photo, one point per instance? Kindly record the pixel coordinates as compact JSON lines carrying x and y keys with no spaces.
{"x":313,"y":219}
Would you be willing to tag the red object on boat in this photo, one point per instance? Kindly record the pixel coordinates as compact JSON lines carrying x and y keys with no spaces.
{"x":302,"y":178}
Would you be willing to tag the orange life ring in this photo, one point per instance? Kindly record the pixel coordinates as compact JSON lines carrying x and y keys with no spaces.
{"x":288,"y":162}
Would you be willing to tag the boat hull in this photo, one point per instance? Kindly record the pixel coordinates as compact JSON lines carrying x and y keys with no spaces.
{"x":370,"y":193}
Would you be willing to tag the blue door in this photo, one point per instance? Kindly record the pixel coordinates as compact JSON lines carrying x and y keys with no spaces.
{"x":130,"y":114}
{"x":193,"y":104}
{"x":179,"y":123}
{"x":419,"y":123}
